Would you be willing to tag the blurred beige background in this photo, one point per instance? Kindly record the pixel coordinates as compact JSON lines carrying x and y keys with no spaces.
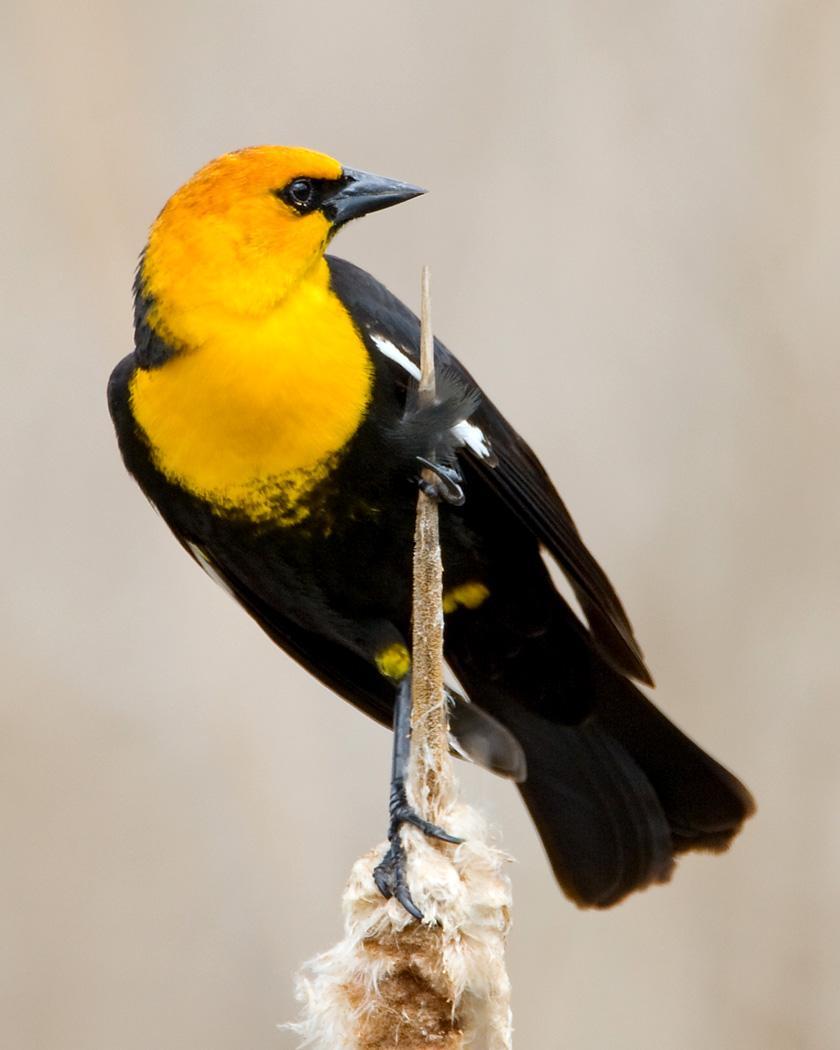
{"x":635,"y":241}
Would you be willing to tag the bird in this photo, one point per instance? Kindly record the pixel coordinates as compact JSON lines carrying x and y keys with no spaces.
{"x":268,"y":412}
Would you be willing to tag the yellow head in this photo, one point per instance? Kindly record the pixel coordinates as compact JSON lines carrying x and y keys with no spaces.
{"x":247,"y":228}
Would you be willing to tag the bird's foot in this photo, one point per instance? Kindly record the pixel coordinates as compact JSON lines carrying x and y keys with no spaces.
{"x":446,"y":487}
{"x":390,"y":874}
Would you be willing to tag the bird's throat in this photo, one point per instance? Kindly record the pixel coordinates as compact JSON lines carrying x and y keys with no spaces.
{"x":253,"y":418}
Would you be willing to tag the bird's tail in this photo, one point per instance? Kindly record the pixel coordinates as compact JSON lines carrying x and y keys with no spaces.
{"x":615,"y":795}
{"x":618,"y":796}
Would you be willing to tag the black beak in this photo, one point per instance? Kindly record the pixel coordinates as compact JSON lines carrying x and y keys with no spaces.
{"x":359,"y":192}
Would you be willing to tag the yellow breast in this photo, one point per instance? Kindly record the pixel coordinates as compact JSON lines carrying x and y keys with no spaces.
{"x":252,"y":418}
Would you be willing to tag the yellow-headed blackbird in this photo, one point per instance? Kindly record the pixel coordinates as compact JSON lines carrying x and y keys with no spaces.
{"x":267,"y":412}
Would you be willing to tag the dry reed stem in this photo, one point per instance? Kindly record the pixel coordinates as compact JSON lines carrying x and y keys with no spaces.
{"x":431,"y":780}
{"x":394,"y":982}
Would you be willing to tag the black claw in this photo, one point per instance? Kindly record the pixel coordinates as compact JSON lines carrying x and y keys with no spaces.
{"x":382,"y":878}
{"x":404,"y":814}
{"x":404,"y":897}
{"x":389,"y":876}
{"x":448,"y":485}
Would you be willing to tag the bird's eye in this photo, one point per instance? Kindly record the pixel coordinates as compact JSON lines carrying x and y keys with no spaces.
{"x":301,"y":194}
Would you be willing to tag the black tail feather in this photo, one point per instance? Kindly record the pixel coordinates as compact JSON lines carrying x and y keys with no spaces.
{"x":600,"y":820}
{"x":704,"y":803}
{"x":615,"y":799}
{"x":617,"y":795}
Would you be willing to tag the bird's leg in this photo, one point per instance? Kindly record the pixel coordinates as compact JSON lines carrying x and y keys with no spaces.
{"x":447,"y":487}
{"x":390,"y":875}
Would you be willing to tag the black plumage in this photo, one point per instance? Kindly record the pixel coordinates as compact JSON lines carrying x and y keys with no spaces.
{"x":614,"y":788}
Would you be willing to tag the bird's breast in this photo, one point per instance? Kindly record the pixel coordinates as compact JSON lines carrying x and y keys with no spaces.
{"x":257,"y":415}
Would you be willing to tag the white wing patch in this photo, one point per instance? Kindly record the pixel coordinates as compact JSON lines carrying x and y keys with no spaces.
{"x":467,"y":434}
{"x":473,"y":437}
{"x":208,"y":567}
{"x":386,"y":347}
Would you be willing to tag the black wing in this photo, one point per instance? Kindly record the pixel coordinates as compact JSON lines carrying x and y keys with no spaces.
{"x":514,"y":474}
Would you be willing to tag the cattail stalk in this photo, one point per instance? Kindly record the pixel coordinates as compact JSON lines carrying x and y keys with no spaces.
{"x":394,"y":982}
{"x":432,"y":780}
